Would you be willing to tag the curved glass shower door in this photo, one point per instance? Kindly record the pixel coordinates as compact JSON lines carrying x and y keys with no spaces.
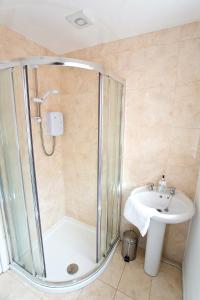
{"x":77,"y":190}
{"x":16,"y":181}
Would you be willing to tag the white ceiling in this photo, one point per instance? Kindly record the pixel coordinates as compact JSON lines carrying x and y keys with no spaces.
{"x":43,"y":21}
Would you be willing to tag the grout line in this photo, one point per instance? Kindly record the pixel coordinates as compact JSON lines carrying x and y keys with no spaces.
{"x":149,"y":297}
{"x":127,"y":295}
{"x":108,"y":284}
{"x":117,"y":288}
{"x":168,"y":262}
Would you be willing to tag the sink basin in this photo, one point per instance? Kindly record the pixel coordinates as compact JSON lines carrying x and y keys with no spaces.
{"x":164,"y":208}
{"x":169,"y":209}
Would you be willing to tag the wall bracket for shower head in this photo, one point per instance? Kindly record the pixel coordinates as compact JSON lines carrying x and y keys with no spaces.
{"x":43,"y":99}
{"x":37,"y":119}
{"x":38,"y":100}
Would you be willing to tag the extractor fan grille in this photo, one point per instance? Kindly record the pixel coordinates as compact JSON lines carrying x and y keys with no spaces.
{"x":79,"y":20}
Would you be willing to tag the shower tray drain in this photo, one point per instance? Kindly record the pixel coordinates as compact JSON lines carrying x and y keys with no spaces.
{"x":72,"y":269}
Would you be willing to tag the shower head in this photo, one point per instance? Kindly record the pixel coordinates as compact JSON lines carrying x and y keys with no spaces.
{"x":49,"y":92}
{"x":44,"y":97}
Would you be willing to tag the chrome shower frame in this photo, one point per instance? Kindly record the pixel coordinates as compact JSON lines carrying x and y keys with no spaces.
{"x":101,"y":261}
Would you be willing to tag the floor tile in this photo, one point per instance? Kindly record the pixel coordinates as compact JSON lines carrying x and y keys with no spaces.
{"x":134,"y":282}
{"x":15,"y":290}
{"x":167,"y":285}
{"x":64,"y":296}
{"x":114,"y":271}
{"x":121,"y":296}
{"x":6,"y":285}
{"x":25,"y":291}
{"x":97,"y":291}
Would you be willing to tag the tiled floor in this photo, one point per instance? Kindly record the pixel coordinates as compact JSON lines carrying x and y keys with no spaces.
{"x":121,"y":281}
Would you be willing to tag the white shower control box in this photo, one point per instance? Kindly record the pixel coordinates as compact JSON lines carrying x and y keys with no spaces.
{"x":55,"y":123}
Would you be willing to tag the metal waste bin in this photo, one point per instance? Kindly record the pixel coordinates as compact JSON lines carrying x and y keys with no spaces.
{"x":129,"y":245}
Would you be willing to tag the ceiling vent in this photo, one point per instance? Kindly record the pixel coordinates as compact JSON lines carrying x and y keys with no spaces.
{"x":79,"y":20}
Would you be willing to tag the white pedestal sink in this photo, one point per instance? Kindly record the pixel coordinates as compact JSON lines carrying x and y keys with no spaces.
{"x":167,"y":209}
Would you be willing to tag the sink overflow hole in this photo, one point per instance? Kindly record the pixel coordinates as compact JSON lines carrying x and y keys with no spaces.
{"x":72,"y":269}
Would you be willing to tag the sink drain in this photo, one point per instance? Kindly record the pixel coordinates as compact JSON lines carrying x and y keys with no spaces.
{"x":72,"y":269}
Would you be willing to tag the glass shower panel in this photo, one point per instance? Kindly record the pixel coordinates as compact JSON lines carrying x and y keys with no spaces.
{"x":11,"y":173}
{"x":16,"y":174}
{"x":116,"y":96}
{"x":28,"y":173}
{"x":111,"y":162}
{"x":103,"y":168}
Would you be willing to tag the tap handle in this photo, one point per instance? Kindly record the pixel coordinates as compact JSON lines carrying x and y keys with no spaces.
{"x":150,"y":186}
{"x":172,"y":190}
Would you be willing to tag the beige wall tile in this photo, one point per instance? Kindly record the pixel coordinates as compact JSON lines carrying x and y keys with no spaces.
{"x":189,"y":61}
{"x":190,"y":31}
{"x":139,"y":173}
{"x":155,"y":109}
{"x":135,"y":79}
{"x":79,"y":157}
{"x":164,"y":37}
{"x":129,"y":60}
{"x":186,"y":109}
{"x":175,"y":235}
{"x":161,"y":65}
{"x":146,"y":144}
{"x":133,"y":43}
{"x":183,"y":178}
{"x":74,"y":81}
{"x":184,"y":147}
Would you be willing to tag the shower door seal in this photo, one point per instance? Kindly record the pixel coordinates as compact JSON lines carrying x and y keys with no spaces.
{"x":99,"y":170}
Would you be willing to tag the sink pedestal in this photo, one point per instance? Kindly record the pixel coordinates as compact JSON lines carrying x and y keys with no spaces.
{"x":155,"y":238}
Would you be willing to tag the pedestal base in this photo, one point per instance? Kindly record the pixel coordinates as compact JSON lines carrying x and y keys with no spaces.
{"x":155,"y":238}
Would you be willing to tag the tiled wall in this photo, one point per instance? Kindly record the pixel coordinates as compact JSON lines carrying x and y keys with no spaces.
{"x":162,"y":111}
{"x":80,"y":108}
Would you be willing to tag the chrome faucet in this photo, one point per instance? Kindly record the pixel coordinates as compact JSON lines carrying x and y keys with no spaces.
{"x":150,"y":186}
{"x":172,"y":190}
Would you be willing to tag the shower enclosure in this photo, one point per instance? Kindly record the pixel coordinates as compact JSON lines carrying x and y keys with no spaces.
{"x":60,"y":181}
